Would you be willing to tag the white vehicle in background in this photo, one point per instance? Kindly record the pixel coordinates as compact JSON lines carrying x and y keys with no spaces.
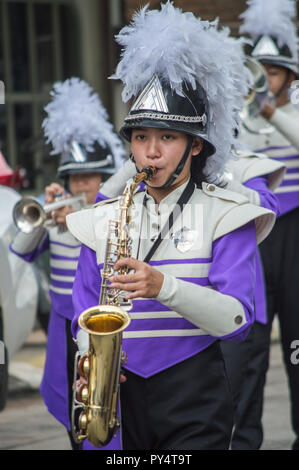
{"x":19,"y":290}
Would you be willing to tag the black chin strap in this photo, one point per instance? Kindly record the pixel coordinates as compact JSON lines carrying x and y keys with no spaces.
{"x":178,"y":169}
{"x":277,"y":95}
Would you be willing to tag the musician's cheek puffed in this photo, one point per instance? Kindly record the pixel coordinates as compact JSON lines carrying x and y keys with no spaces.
{"x":176,"y":395}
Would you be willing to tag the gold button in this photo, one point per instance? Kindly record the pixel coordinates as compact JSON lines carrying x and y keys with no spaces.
{"x":211,"y":187}
{"x":238,"y":319}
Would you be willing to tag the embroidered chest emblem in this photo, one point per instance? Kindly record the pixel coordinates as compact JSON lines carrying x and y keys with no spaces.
{"x":184,"y":239}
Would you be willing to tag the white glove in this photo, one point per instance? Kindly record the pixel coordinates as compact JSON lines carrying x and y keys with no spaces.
{"x":116,"y":184}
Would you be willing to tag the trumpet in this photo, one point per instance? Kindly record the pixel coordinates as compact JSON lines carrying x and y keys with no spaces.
{"x":259,"y":92}
{"x":29,"y":214}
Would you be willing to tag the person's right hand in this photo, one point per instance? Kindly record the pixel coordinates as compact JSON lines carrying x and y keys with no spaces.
{"x":52,"y":191}
{"x":267,"y":111}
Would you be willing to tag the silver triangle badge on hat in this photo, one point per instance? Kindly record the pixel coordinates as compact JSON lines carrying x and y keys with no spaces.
{"x":151,"y":97}
{"x":265,"y":47}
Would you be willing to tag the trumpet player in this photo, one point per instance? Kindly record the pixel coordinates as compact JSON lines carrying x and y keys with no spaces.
{"x":273,"y":32}
{"x":78,"y":129}
{"x":193,"y":286}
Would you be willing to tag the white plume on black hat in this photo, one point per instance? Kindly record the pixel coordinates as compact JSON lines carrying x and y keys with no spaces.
{"x":243,"y":78}
{"x":184,"y":50}
{"x":76,"y":114}
{"x":273,"y":19}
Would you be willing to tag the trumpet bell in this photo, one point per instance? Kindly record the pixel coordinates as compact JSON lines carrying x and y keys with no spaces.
{"x":259,"y":90}
{"x":28,"y":214}
{"x":258,"y":94}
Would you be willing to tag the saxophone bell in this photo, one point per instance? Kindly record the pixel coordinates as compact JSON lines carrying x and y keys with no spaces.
{"x":97,"y":399}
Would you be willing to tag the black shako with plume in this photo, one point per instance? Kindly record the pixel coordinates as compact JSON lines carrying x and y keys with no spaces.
{"x":177,"y":58}
{"x":78,"y":128}
{"x":270,"y":25}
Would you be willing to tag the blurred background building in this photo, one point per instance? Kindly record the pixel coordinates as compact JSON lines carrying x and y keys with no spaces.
{"x":42,"y":41}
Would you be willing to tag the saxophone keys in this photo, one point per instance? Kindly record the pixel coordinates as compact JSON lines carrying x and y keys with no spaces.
{"x":83,"y":422}
{"x":84,"y":366}
{"x":82,"y":394}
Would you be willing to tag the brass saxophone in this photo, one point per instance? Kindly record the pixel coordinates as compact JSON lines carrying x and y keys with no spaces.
{"x":104,"y":323}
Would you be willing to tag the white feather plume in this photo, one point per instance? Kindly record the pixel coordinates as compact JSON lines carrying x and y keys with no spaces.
{"x":241,"y":75}
{"x":272,"y":17}
{"x":77,"y":113}
{"x":182,"y":49}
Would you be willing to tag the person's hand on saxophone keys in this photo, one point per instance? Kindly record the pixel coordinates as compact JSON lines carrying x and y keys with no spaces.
{"x":145,"y":281}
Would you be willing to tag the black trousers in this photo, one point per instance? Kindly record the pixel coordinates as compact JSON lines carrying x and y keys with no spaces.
{"x":188,"y":406}
{"x":71,"y":352}
{"x":280,"y":257}
{"x":248,"y":363}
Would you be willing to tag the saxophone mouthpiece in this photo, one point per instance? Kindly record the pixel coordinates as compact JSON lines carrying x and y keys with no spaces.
{"x":150,"y":172}
{"x":145,"y":174}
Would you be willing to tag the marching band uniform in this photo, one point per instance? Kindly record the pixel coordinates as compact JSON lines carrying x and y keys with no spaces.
{"x":281,"y":145}
{"x":257,"y":176}
{"x":208,"y":257}
{"x":275,"y":42}
{"x":88,"y":145}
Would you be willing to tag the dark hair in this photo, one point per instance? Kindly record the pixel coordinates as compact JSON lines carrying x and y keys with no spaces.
{"x":198,"y":163}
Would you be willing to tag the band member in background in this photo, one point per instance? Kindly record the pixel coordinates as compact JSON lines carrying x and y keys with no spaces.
{"x":78,"y":129}
{"x":257,"y":176}
{"x":275,"y":45}
{"x":196,"y":286}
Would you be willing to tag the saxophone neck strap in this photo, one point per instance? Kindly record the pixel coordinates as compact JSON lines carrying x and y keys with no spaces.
{"x":182,"y":201}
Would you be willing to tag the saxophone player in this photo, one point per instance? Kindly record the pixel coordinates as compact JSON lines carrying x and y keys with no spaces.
{"x":77,"y":128}
{"x":192,"y":268}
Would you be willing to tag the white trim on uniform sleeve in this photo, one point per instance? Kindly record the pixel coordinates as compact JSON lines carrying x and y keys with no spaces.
{"x":239,"y":216}
{"x":274,"y":170}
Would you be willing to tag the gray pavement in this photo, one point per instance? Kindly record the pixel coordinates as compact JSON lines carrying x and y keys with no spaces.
{"x":25,"y":423}
{"x":278,"y":434}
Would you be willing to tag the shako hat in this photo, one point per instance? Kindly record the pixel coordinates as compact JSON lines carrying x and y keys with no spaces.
{"x":178,"y":72}
{"x":78,"y":128}
{"x":270,"y":25}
